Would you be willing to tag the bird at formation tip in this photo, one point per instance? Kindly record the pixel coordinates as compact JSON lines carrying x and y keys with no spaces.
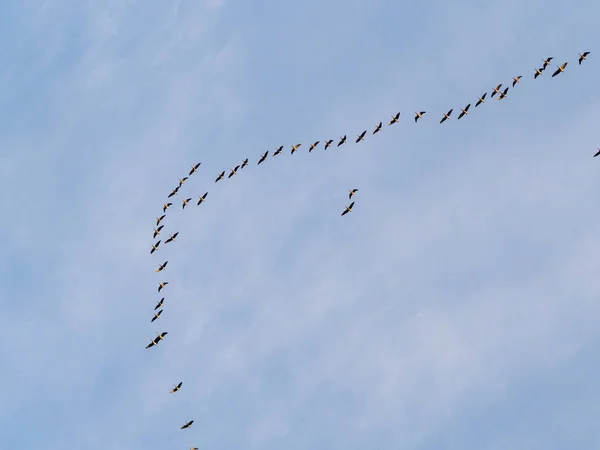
{"x":352,"y":192}
{"x":162,"y":285}
{"x":187,"y":425}
{"x":176,"y":388}
{"x":446,"y":116}
{"x":418,"y":115}
{"x":597,"y":153}
{"x":166,"y":206}
{"x":244,"y":163}
{"x":171,"y":238}
{"x":221,"y":176}
{"x":194,"y":168}
{"x":378,"y":129}
{"x":295,"y":148}
{"x":155,"y":247}
{"x":185,"y":202}
{"x":278,"y":151}
{"x":162,"y":267}
{"x":503,"y":94}
{"x":560,"y":69}
{"x":159,"y":219}
{"x":313,"y":146}
{"x":157,"y":231}
{"x":464,"y":111}
{"x":480,"y":100}
{"x":361,"y":136}
{"x":202,"y":199}
{"x":263,"y":157}
{"x":582,"y":57}
{"x":156,"y":315}
{"x":348,"y":209}
{"x":233,"y":171}
{"x":342,"y":141}
{"x":328,"y":143}
{"x":159,"y":304}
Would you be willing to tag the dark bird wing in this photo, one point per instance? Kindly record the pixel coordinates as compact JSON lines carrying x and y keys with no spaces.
{"x":175,"y":235}
{"x":597,"y":153}
{"x":151,"y":344}
{"x":179,"y":385}
{"x":351,"y":205}
{"x":556,"y":73}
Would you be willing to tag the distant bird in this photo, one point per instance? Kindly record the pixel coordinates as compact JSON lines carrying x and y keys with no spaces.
{"x":162,"y":285}
{"x":159,"y":304}
{"x":503,"y":94}
{"x":174,"y":192}
{"x":516,"y":80}
{"x":538,"y":72}
{"x":244,"y":163}
{"x":233,"y":171}
{"x":202,"y":199}
{"x":496,"y":90}
{"x":278,"y":151}
{"x":171,"y":238}
{"x":361,"y":136}
{"x":162,"y":267}
{"x":176,"y":388}
{"x":193,"y":448}
{"x":394,"y":119}
{"x":263,"y":157}
{"x":480,"y":100}
{"x":546,"y":62}
{"x":155,"y":247}
{"x":185,"y":202}
{"x":328,"y":143}
{"x":352,"y":192}
{"x":166,"y":206}
{"x":560,"y":69}
{"x":378,"y":129}
{"x":348,"y":209}
{"x":295,"y":148}
{"x":187,"y":425}
{"x":182,"y":180}
{"x":342,"y":140}
{"x":159,"y":219}
{"x":597,"y":153}
{"x":157,"y":339}
{"x":313,"y":146}
{"x":156,"y":315}
{"x":221,"y":176}
{"x":464,"y":111}
{"x":418,"y":115}
{"x":446,"y":116}
{"x":157,"y":231}
{"x":194,"y":168}
{"x":582,"y":57}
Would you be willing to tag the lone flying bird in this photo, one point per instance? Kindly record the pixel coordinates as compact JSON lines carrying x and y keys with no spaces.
{"x":464,"y":111}
{"x":342,"y":141}
{"x":187,"y":425}
{"x":176,"y":388}
{"x":278,"y":151}
{"x":503,"y":94}
{"x":328,"y":143}
{"x":295,"y":148}
{"x":446,"y":116}
{"x":263,"y":157}
{"x":166,"y":206}
{"x":394,"y":119}
{"x":516,"y":80}
{"x":480,"y":100}
{"x":156,"y":315}
{"x":234,"y":171}
{"x":162,"y":267}
{"x":378,"y":129}
{"x":537,"y":73}
{"x":162,"y":285}
{"x":157,"y":231}
{"x":182,"y":180}
{"x":348,"y":209}
{"x":244,"y":163}
{"x":202,"y":199}
{"x":418,"y":115}
{"x":185,"y":202}
{"x":597,"y":153}
{"x":221,"y":176}
{"x":159,"y":219}
{"x":159,"y":304}
{"x":171,"y":238}
{"x":582,"y":57}
{"x":361,"y":136}
{"x":496,"y":90}
{"x":174,"y":192}
{"x":313,"y":146}
{"x":560,"y":69}
{"x":155,"y":247}
{"x":352,"y":192}
{"x":194,"y":168}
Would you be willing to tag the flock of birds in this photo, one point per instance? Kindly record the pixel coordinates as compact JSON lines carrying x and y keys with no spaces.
{"x":294,"y":148}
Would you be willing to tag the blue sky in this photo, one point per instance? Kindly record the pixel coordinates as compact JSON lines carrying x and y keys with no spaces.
{"x":456,"y":307}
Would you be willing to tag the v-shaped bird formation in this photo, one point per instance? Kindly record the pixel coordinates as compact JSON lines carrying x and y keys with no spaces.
{"x":497,"y":91}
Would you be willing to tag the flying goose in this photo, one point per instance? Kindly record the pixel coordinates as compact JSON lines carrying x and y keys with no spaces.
{"x":221,"y":176}
{"x":516,"y":80}
{"x":352,"y":192}
{"x":187,"y":425}
{"x":174,"y":192}
{"x":328,"y":143}
{"x":278,"y":151}
{"x":171,"y":238}
{"x":234,"y":171}
{"x":480,"y":100}
{"x":582,"y":57}
{"x":156,"y":315}
{"x":378,"y":129}
{"x":185,"y":202}
{"x":342,"y":140}
{"x":155,"y":247}
{"x":162,"y":267}
{"x":157,"y":231}
{"x":446,"y":116}
{"x":394,"y":119}
{"x":503,"y":94}
{"x":166,"y":206}
{"x":546,"y":62}
{"x":194,"y":168}
{"x":244,"y":163}
{"x":361,"y":136}
{"x":162,"y":285}
{"x":418,"y":115}
{"x":182,"y":180}
{"x":560,"y":69}
{"x":159,"y":304}
{"x":348,"y":209}
{"x":313,"y":146}
{"x":496,"y":90}
{"x":537,"y":73}
{"x":464,"y":111}
{"x":202,"y":199}
{"x":159,"y":219}
{"x":176,"y":388}
{"x":263,"y":157}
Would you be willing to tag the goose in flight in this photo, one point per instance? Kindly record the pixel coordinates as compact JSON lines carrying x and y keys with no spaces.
{"x":348,"y":209}
{"x":278,"y":151}
{"x":496,"y":90}
{"x":328,"y":143}
{"x":582,"y":56}
{"x":378,"y":129}
{"x":176,"y":387}
{"x":480,"y":100}
{"x":537,"y":73}
{"x":263,"y":157}
{"x":516,"y":80}
{"x":185,"y":202}
{"x":547,"y":62}
{"x":156,"y":315}
{"x":313,"y":146}
{"x":181,"y":181}
{"x":342,"y":140}
{"x":418,"y":115}
{"x":234,"y":171}
{"x":166,"y":206}
{"x":446,"y":116}
{"x":244,"y":163}
{"x":187,"y":425}
{"x":464,"y":111}
{"x":202,"y":199}
{"x":174,"y":192}
{"x":361,"y":136}
{"x":194,"y":168}
{"x":560,"y":69}
{"x":171,"y":238}
{"x":295,"y":148}
{"x":394,"y":119}
{"x":155,"y":247}
{"x":162,"y":285}
{"x":160,"y":219}
{"x":352,"y":192}
{"x":157,"y":231}
{"x":159,"y":304}
{"x":162,"y":267}
{"x":221,"y":176}
{"x":503,"y":94}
